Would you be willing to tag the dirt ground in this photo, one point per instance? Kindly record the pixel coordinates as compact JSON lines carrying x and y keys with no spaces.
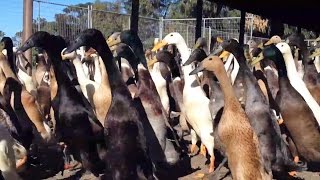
{"x":48,"y":164}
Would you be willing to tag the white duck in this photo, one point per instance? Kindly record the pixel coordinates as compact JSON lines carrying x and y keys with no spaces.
{"x":296,"y":81}
{"x":194,"y":99}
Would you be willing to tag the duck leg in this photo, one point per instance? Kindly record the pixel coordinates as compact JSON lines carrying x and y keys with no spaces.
{"x":211,"y":166}
{"x":203,"y":150}
{"x":194,"y":139}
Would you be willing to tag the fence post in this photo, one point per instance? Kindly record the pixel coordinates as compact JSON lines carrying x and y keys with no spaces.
{"x":251,"y":26}
{"x":129,"y":22}
{"x":160,"y":28}
{"x":89,"y":21}
{"x":39,"y":16}
{"x":187,"y":35}
{"x":204,"y":28}
{"x":88,"y":16}
{"x":27,"y":25}
{"x":91,"y":16}
{"x":209,"y":40}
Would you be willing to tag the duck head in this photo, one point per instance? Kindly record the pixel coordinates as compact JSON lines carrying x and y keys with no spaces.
{"x":273,"y":40}
{"x":200,"y":43}
{"x":208,"y":63}
{"x":270,"y":52}
{"x":315,"y":53}
{"x":197,"y":55}
{"x":42,"y":39}
{"x":92,"y":38}
{"x":297,"y":39}
{"x":284,"y":48}
{"x":252,"y":44}
{"x":6,"y":43}
{"x":38,"y":39}
{"x":113,"y":40}
{"x":172,"y":38}
{"x":131,"y":39}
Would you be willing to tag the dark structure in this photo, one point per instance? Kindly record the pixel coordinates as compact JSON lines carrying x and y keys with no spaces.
{"x":303,"y":14}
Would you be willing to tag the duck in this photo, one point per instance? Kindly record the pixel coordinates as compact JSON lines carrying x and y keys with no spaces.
{"x":12,"y":154}
{"x":316,"y":57}
{"x":76,"y":124}
{"x":123,"y":129}
{"x":22,"y":68}
{"x":273,"y":148}
{"x":297,"y":115}
{"x":29,"y":104}
{"x":161,"y":76}
{"x":195,"y":101}
{"x":297,"y":82}
{"x":176,"y":88}
{"x":41,"y":78}
{"x":234,"y":121}
{"x":150,"y":100}
{"x":215,"y":94}
{"x":98,"y":94}
{"x":310,"y":77}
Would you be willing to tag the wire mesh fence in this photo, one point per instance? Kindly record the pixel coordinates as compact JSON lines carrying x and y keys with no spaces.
{"x":68,"y":21}
{"x":59,"y":19}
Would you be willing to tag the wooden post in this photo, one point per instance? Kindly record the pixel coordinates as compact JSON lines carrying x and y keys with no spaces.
{"x":27,"y":25}
{"x":134,"y":16}
{"x":299,"y":30}
{"x":242,"y":27}
{"x":277,"y":28}
{"x":199,"y":19}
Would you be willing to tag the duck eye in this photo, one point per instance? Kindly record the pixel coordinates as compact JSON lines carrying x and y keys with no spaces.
{"x":171,"y":35}
{"x":281,"y":45}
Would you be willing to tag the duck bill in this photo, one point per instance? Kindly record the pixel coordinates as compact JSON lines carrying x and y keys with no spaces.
{"x":224,"y":54}
{"x":315,"y":53}
{"x":112,"y":42}
{"x":25,"y":46}
{"x":259,"y":58}
{"x":219,"y":40}
{"x":218,"y":50}
{"x":159,"y":45}
{"x":269,"y":42}
{"x":197,"y":45}
{"x":189,"y":61}
{"x":198,"y":69}
{"x":77,"y":44}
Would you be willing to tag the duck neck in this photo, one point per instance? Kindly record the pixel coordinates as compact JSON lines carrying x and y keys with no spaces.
{"x":61,"y":76}
{"x":225,"y":84}
{"x":290,"y":65}
{"x":184,"y":51}
{"x":239,"y":55}
{"x":11,"y":58}
{"x":281,"y":67}
{"x":114,"y":75}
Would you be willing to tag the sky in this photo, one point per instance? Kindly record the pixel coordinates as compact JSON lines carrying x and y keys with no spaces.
{"x":12,"y":12}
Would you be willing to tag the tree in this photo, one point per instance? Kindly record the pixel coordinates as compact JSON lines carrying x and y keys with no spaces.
{"x":2,"y":34}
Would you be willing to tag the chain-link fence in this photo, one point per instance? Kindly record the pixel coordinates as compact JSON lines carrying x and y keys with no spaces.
{"x":69,"y":21}
{"x":59,"y":19}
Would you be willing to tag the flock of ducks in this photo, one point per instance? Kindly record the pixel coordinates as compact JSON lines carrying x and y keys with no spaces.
{"x":124,"y":112}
